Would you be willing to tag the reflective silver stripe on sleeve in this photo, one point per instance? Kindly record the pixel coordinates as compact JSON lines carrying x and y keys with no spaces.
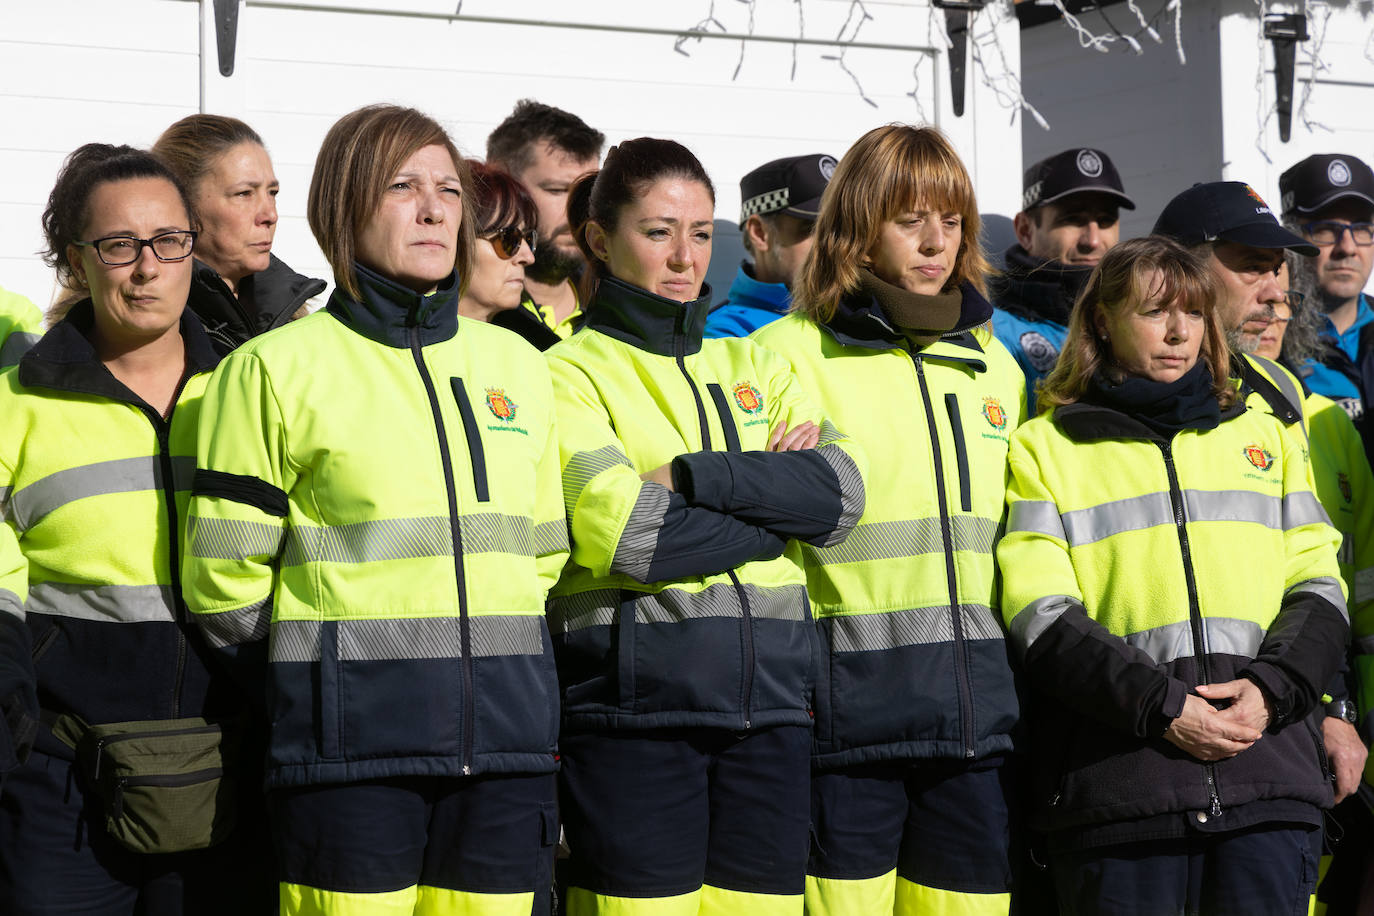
{"x":1303,"y":509}
{"x":851,"y":491}
{"x":829,"y":434}
{"x":15,"y":346}
{"x":233,"y":539}
{"x":1233,"y":506}
{"x":1322,"y":586}
{"x":28,"y":506}
{"x":601,"y":607}
{"x":241,"y":625}
{"x":1036,"y":617}
{"x":10,"y":603}
{"x":1225,"y":635}
{"x":639,"y":539}
{"x":104,"y":603}
{"x":1040,"y":516}
{"x":908,"y":538}
{"x":1095,"y":523}
{"x":582,"y":467}
{"x":1364,"y":585}
{"x":550,"y":537}
{"x":409,"y":638}
{"x":915,"y":627}
{"x":408,"y":538}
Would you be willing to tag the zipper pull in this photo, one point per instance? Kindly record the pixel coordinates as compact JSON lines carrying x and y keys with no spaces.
{"x":1215,"y":809}
{"x":119,"y":797}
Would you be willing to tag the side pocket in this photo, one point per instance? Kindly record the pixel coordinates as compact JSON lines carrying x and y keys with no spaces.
{"x":474,"y":437}
{"x":331,"y":699}
{"x":960,"y":450}
{"x":727,"y":421}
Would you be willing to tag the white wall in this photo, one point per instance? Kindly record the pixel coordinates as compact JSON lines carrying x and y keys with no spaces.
{"x":123,"y":77}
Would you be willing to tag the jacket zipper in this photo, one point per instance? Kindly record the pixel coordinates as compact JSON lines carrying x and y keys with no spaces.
{"x":679,"y":354}
{"x":961,"y":675}
{"x":455,"y":530}
{"x":1194,"y":608}
{"x":163,"y":427}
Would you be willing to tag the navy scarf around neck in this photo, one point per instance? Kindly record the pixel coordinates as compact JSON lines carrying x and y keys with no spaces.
{"x":1165,"y":407}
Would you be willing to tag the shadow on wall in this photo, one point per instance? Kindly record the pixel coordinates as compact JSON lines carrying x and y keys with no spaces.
{"x":727,"y":250}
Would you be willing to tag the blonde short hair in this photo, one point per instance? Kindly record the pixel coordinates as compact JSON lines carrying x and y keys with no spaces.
{"x":890,"y":170}
{"x":360,"y":154}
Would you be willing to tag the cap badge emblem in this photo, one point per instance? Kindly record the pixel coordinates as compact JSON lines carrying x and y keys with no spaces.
{"x":1338,"y":173}
{"x":827,"y":166}
{"x":1259,"y":457}
{"x":994,"y":414}
{"x":1089,"y":163}
{"x":749,"y":398}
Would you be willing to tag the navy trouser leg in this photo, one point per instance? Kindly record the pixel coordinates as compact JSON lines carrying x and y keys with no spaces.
{"x":958,"y":832}
{"x":857,"y":816}
{"x":489,"y":835}
{"x":1269,"y":870}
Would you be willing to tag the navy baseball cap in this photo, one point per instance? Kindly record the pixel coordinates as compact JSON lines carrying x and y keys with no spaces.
{"x":1324,"y":179}
{"x":1228,"y":211}
{"x":793,"y":185}
{"x":1073,"y":171}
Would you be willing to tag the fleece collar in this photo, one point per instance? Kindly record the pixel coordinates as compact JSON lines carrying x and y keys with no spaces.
{"x":387,"y":312}
{"x":647,"y":321}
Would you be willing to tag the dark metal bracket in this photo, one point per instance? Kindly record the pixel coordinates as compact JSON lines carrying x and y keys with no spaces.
{"x":1285,"y":30}
{"x":226,"y":33}
{"x":958,"y":13}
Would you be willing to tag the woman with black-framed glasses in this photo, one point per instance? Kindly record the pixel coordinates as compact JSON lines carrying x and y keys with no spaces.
{"x":97,"y":451}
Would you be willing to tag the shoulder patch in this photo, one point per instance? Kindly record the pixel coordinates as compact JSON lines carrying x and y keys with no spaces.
{"x":1040,"y":353}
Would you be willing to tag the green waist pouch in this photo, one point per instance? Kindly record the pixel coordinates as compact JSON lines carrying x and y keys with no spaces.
{"x":166,"y":785}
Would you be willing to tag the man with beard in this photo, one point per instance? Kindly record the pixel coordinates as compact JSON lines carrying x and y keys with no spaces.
{"x":1329,"y":198}
{"x":546,"y":149}
{"x":1234,"y":229}
{"x":1068,"y":221}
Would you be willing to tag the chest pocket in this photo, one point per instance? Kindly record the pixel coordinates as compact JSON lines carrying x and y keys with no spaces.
{"x":727,"y":421}
{"x":476,"y":452}
{"x":960,"y":451}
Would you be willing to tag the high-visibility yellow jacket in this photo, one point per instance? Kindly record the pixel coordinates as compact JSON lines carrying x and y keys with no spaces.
{"x":94,"y":482}
{"x":1136,"y":567}
{"x":906,"y":607}
{"x":1345,"y":486}
{"x":377,"y":491}
{"x":678,"y":608}
{"x":21,"y":324}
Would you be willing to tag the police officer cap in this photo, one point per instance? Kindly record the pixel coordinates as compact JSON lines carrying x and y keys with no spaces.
{"x":1323,"y":179}
{"x":1228,"y":211}
{"x":1072,"y":172}
{"x":792,"y":185}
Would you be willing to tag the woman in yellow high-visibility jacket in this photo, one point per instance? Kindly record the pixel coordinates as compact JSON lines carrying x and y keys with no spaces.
{"x":377,"y":517}
{"x":1171,"y":583}
{"x":683,"y":633}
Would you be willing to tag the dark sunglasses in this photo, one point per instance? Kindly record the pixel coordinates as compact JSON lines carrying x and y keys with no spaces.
{"x":507,"y":241}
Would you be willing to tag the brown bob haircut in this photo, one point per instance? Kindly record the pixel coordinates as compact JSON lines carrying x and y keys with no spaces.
{"x":358,"y":158}
{"x":891,"y":170}
{"x":1154,"y":268}
{"x":191,"y":145}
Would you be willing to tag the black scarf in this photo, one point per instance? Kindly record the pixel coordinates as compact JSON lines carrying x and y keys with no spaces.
{"x":1165,"y":407}
{"x":1038,"y":290}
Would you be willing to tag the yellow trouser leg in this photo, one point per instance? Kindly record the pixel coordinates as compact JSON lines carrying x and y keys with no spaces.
{"x":1313,"y":907}
{"x":919,"y":900}
{"x":299,"y":900}
{"x":582,"y":902}
{"x":850,"y":897}
{"x":717,"y":901}
{"x":438,"y":901}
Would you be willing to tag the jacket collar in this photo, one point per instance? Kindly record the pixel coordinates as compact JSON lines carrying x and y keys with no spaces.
{"x":1038,"y":290}
{"x":1084,"y":422}
{"x":266,"y":300}
{"x":755,"y":294}
{"x":387,"y":311}
{"x":860,"y":322}
{"x":647,"y":321}
{"x":65,"y":359}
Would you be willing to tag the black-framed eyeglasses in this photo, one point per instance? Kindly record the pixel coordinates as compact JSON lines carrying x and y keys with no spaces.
{"x":507,"y":241}
{"x":1329,"y":232}
{"x":119,"y":250}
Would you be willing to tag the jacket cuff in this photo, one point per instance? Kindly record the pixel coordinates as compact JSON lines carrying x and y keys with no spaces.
{"x":704,"y":479}
{"x":1276,"y":687}
{"x":1170,"y":707}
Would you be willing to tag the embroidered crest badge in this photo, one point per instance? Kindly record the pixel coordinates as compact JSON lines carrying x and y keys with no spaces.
{"x":749,"y":398}
{"x":994,"y":414}
{"x":501,"y":406}
{"x":1259,"y":457}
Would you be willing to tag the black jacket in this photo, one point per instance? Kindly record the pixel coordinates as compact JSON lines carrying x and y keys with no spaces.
{"x":1037,"y":290}
{"x":266,"y":300}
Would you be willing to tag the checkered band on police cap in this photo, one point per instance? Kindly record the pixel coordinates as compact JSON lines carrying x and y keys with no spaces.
{"x":766,"y":202}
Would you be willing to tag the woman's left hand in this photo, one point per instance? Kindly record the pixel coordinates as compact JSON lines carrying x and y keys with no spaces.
{"x":1248,"y":705}
{"x":803,"y":435}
